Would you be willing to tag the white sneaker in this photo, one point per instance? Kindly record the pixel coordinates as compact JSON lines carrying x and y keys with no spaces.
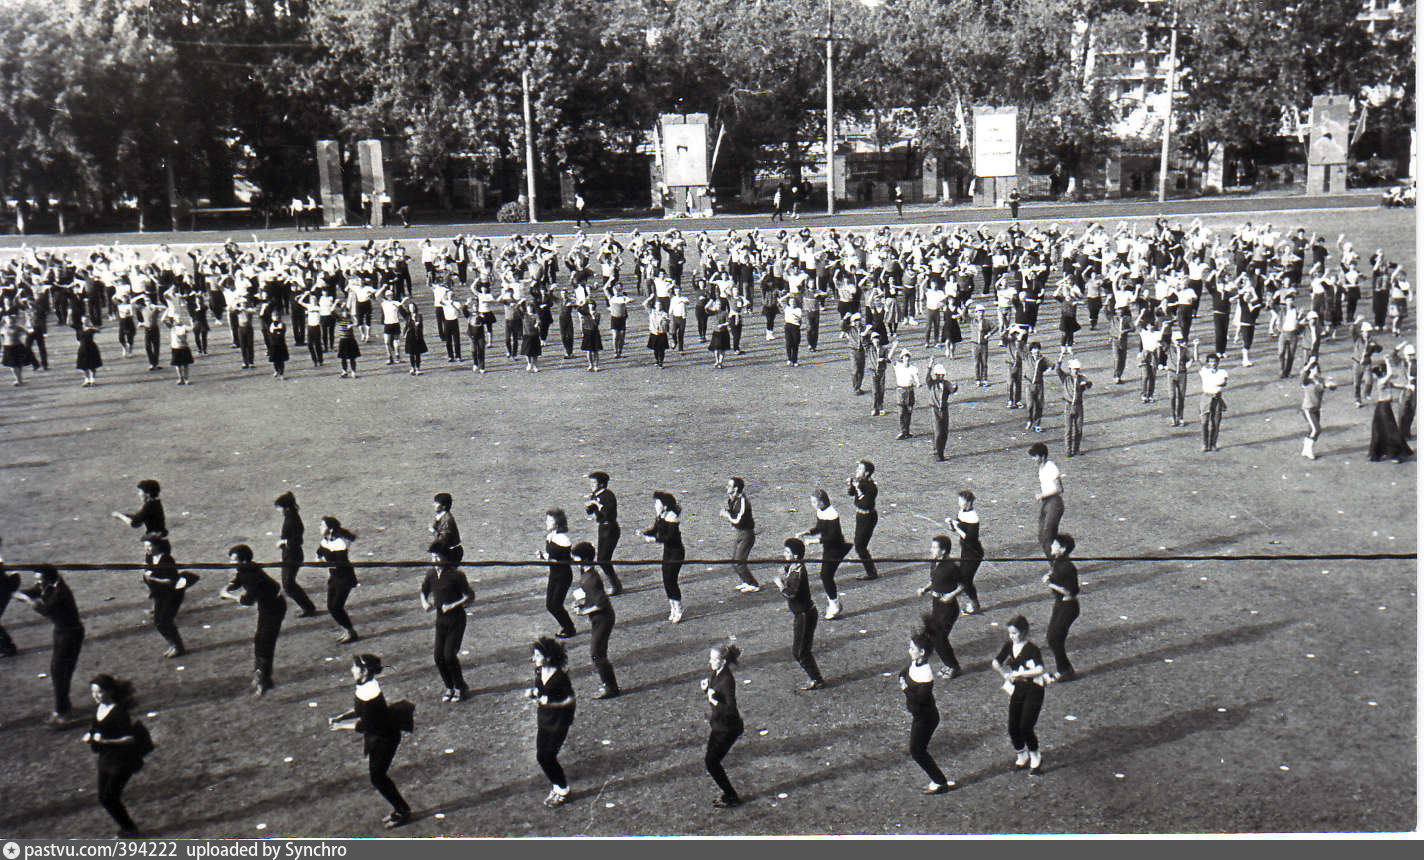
{"x":747,"y":588}
{"x":833,"y":609}
{"x":676,"y":614}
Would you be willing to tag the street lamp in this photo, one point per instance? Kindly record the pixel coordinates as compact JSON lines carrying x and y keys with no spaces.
{"x":831,"y":100}
{"x":1171,"y":97}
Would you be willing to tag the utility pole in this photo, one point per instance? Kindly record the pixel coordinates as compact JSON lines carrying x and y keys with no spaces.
{"x":830,"y":112}
{"x":1167,"y":116}
{"x":529,"y":143}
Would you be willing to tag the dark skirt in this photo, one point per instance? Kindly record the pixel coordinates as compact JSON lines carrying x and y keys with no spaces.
{"x":1386,"y":442}
{"x":415,"y":344}
{"x":721,"y":340}
{"x":592,"y":340}
{"x":182,"y":356}
{"x":657,"y":341}
{"x":277,"y":349}
{"x":347,"y":348}
{"x":16,"y":356}
{"x":88,"y":357}
{"x":951,"y":330}
{"x":531,"y":346}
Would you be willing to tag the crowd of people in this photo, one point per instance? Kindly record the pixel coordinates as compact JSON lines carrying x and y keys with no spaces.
{"x":1146,"y":286}
{"x":445,"y":592}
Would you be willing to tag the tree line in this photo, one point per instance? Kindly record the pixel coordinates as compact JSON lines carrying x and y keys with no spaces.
{"x":104,"y":102}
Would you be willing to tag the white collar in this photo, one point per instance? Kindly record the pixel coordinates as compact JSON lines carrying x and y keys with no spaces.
{"x":368,"y":691}
{"x":969,"y":516}
{"x":828,"y":513}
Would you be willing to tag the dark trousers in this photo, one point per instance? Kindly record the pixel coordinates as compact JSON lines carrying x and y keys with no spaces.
{"x":449,"y":633}
{"x":719,"y":743}
{"x":803,"y":633}
{"x":337,"y":590}
{"x":813,"y":327}
{"x":941,"y":431}
{"x":1035,"y":405}
{"x":831,"y":558}
{"x":1119,"y":357}
{"x":112,"y":780}
{"x":380,"y":755}
{"x":63,"y":660}
{"x":264,"y":643}
{"x":291,"y":565}
{"x":857,"y":369}
{"x":1050,"y":513}
{"x":938,"y":625}
{"x":741,"y":551}
{"x":165,"y":617}
{"x":877,"y":388}
{"x":864,"y":529}
{"x":245,"y":345}
{"x":1024,"y":705}
{"x":1177,"y":383}
{"x":1065,"y":612}
{"x":35,"y":340}
{"x":672,"y":566}
{"x":793,"y":343}
{"x":907,"y":409}
{"x":546,"y":750}
{"x":968,"y":566}
{"x":1218,"y":331}
{"x":554,"y":594}
{"x":1211,"y":421}
{"x":602,"y":622}
{"x":150,"y":344}
{"x":922,"y":728}
{"x":607,"y":541}
{"x":314,"y":347}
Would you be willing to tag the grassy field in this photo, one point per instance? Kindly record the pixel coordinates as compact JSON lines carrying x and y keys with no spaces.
{"x":1214,"y":696}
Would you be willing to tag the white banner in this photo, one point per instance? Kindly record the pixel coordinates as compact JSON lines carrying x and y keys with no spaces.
{"x":996,"y":141}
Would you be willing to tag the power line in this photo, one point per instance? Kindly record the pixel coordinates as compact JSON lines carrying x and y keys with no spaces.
{"x":88,"y":567}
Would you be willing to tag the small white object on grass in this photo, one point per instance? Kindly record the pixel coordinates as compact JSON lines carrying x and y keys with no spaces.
{"x":609,"y":805}
{"x":1070,"y":718}
{"x":1310,"y":656}
{"x":1166,"y":659}
{"x":262,"y":825}
{"x":439,"y":816}
{"x":606,"y":742}
{"x":1221,"y":710}
{"x":311,"y":704}
{"x":288,"y":759}
{"x":1372,"y":703}
{"x":768,"y":731}
{"x":151,"y":714}
{"x":449,"y":750}
{"x":42,"y":675}
{"x":179,"y":668}
{"x":1285,"y":767}
{"x":1120,"y":775}
{"x":782,"y":795}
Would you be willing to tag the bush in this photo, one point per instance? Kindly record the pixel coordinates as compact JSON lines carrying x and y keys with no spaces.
{"x":512,"y":212}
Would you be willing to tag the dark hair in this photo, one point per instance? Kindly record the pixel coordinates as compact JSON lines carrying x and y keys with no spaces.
{"x":869,"y":467}
{"x":553,"y":651}
{"x":729,"y":650}
{"x":48,"y":572}
{"x":1038,"y":449}
{"x":796,"y":545}
{"x":921,"y":639}
{"x":334,"y":525}
{"x":369,"y":664}
{"x":1066,"y":541}
{"x":159,"y":542}
{"x":739,"y":483}
{"x":943,"y":542}
{"x":561,"y":519}
{"x":1020,"y":623}
{"x":438,"y":548}
{"x":823,"y":497}
{"x":1035,"y":345}
{"x":286,"y":501}
{"x":968,"y":496}
{"x":120,"y":690}
{"x":584,"y":551}
{"x":242,"y":551}
{"x":149,"y":486}
{"x":669,"y":501}
{"x":444,"y":500}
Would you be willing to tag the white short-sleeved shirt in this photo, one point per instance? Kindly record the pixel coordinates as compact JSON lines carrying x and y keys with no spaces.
{"x":906,"y":376}
{"x":1050,"y":480}
{"x":1213,"y":381}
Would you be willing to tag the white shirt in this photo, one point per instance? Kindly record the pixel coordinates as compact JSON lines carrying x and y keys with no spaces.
{"x":906,"y":376}
{"x":1213,"y":381}
{"x":1050,"y":480}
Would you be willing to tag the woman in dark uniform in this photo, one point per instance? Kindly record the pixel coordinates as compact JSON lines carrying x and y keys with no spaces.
{"x":50,"y":596}
{"x":591,"y":599}
{"x":554,"y":694}
{"x":1062,"y":580}
{"x":971,"y":551}
{"x":592,"y":340}
{"x":86,"y":358}
{"x":290,"y":545}
{"x":944,"y":588}
{"x":558,"y":551}
{"x":724,"y":720}
{"x":120,"y":744}
{"x":347,"y":349}
{"x":381,"y":723}
{"x":667,"y":530}
{"x":446,"y":592}
{"x":1021,"y":664}
{"x":166,"y":586}
{"x":149,"y":515}
{"x":834,"y":547}
{"x":917,"y":682}
{"x":797,"y":592}
{"x":335,"y":550}
{"x":277,"y":351}
{"x":257,"y":589}
{"x":532,"y":344}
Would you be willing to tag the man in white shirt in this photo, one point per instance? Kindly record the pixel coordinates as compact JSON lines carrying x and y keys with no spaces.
{"x":1213,"y":380}
{"x":907,"y":379}
{"x":1050,"y":496}
{"x":1289,"y":336}
{"x":1149,"y":359}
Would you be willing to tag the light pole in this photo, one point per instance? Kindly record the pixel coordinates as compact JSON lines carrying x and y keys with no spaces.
{"x":1167,"y":115}
{"x":529,"y":143}
{"x":830,"y":111}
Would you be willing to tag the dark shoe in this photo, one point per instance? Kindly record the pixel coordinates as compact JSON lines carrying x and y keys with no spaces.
{"x":396,"y":819}
{"x":308,"y":613}
{"x":348,"y":637}
{"x":566,"y":634}
{"x":726,"y":802}
{"x":605,"y":693}
{"x":1065,"y":676}
{"x":936,"y":788}
{"x":817,"y":684}
{"x":1036,"y":771}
